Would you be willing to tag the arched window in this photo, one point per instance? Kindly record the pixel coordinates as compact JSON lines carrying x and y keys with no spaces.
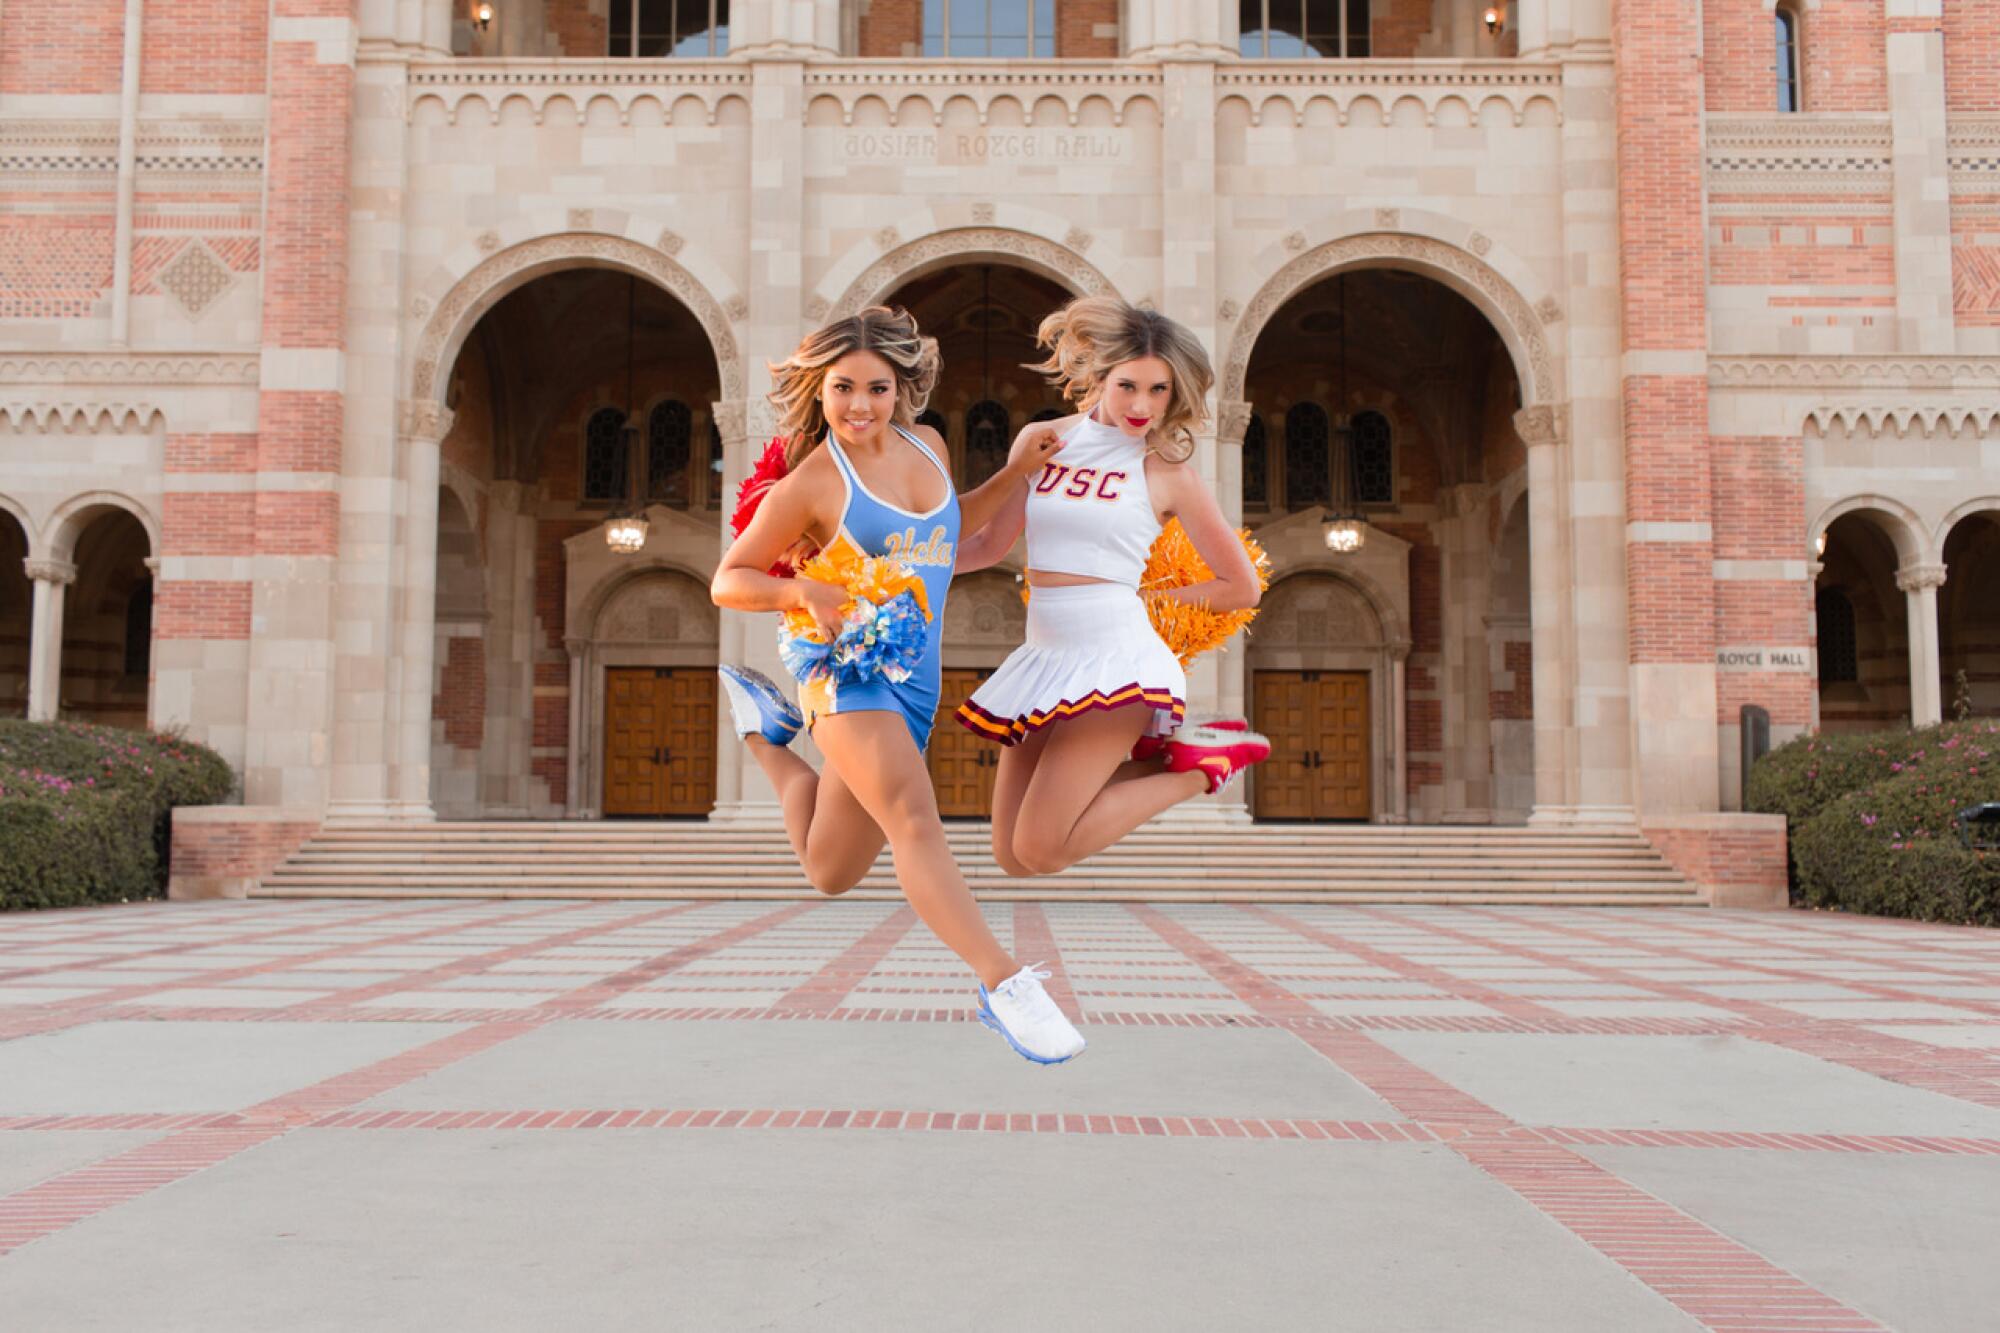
{"x":1303,"y":29}
{"x":669,"y":450}
{"x":1016,"y":28}
{"x":1374,"y":460}
{"x":1837,"y":658}
{"x":1256,"y":464}
{"x":1308,"y":478}
{"x":651,"y":29}
{"x":139,"y":630}
{"x":1788,"y":62}
{"x":605,"y":466}
{"x":986,"y":439}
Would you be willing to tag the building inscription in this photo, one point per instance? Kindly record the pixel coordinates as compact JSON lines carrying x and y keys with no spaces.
{"x":1763,"y":659}
{"x":974,"y":146}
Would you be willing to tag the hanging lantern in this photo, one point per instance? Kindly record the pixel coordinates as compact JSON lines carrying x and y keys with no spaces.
{"x":1345,"y":530}
{"x":625,"y":526}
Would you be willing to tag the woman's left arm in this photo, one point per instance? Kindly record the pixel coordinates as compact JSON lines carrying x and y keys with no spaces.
{"x":1235,"y":586}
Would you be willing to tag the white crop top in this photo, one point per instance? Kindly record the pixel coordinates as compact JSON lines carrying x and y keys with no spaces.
{"x":1090,"y":512}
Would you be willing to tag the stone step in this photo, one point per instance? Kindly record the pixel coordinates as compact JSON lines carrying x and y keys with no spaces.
{"x":1581,"y":897}
{"x":1261,"y":862}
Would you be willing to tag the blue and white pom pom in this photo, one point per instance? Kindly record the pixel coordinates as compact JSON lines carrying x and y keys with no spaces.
{"x":885,"y":641}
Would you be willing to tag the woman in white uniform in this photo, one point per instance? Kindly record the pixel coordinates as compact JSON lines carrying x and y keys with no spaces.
{"x":1089,"y":709}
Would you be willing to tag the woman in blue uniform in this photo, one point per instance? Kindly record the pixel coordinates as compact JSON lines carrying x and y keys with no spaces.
{"x":864,"y":479}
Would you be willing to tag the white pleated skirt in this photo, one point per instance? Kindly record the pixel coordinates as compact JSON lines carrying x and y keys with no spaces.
{"x":1089,"y":647}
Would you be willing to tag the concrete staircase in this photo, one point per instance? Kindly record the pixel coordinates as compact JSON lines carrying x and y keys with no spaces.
{"x":1277,"y":863}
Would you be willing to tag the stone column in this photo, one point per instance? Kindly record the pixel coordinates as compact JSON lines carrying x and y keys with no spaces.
{"x":153,"y":718}
{"x":1917,"y":137}
{"x":422,"y":428}
{"x":1468,"y":728}
{"x":1548,"y":617}
{"x":775,"y":316}
{"x":1813,"y":570}
{"x":1232,"y":684}
{"x":45,"y":636}
{"x":580,"y":804}
{"x":1179,"y":29}
{"x":1398,"y":805}
{"x":1920,"y":584}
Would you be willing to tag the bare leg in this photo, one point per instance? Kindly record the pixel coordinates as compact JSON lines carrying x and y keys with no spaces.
{"x":1010,"y":785}
{"x":872,"y":753}
{"x":834,"y":838}
{"x":1075,"y":803}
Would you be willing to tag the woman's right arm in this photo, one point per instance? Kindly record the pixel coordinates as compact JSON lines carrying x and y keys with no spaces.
{"x":742,"y":581}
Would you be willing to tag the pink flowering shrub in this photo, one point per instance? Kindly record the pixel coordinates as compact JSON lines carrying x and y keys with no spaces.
{"x":83,"y":810}
{"x":1893,"y":847}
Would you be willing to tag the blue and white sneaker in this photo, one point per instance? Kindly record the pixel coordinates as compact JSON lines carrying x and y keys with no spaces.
{"x":1022,"y":1012}
{"x":759,"y":706}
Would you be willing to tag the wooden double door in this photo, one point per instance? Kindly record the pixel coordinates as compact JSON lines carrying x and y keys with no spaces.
{"x":1318,"y":725}
{"x":962,"y":765}
{"x":659,"y":740}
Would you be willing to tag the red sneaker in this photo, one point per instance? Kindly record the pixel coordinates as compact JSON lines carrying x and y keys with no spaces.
{"x":1149,"y":746}
{"x":1220,"y":753}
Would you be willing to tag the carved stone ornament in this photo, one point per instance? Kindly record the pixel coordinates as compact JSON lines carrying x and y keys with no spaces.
{"x":1232,"y":419}
{"x":816,"y":308}
{"x":887,"y":273}
{"x":1296,"y":241}
{"x":1537,"y":425}
{"x":982,"y":213}
{"x":663,"y":609}
{"x":1389,"y":219}
{"x":195,"y":278}
{"x":1549,"y":311}
{"x":1078,"y":239}
{"x":497,"y":272}
{"x":1315,"y":611}
{"x":1480,"y":243}
{"x":670,"y":242}
{"x":582,"y":219}
{"x":738,"y":307}
{"x":423,"y":419}
{"x":50,"y":571}
{"x":887,"y":237}
{"x":488,"y":241}
{"x":1518,"y":327}
{"x":987,"y":612}
{"x":1229,"y":310}
{"x":1915,"y":577}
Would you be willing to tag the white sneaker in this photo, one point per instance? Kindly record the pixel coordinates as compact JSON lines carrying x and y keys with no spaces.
{"x":1022,"y":1012}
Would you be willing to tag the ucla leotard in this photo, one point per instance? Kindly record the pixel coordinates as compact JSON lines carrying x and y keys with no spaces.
{"x":928,"y":544}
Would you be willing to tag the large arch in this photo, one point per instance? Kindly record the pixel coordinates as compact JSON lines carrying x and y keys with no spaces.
{"x":1913,"y":538}
{"x":72,"y":516}
{"x":1062,"y":264}
{"x":1476,"y":273}
{"x":451,"y":317}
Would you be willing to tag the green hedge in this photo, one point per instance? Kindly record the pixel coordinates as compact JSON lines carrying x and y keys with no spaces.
{"x":1891,"y":847}
{"x":84,"y":810}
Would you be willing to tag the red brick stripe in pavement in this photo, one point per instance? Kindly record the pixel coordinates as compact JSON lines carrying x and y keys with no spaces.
{"x":67,"y":1199}
{"x":826,"y":989}
{"x":1969,"y":1075}
{"x":1698,"y":1269}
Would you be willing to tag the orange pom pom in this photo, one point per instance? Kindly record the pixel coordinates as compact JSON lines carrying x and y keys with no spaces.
{"x":878,"y":578}
{"x":1192,"y":628}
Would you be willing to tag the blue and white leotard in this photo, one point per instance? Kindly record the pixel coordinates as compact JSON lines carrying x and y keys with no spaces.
{"x":928,"y":544}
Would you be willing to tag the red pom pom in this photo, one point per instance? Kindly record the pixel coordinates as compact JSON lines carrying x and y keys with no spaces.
{"x":770,"y":470}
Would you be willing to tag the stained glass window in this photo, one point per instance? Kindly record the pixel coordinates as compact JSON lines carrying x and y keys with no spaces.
{"x":669,"y":450}
{"x":1256,"y":464}
{"x":1374,"y":460}
{"x":604,"y":462}
{"x":1308,"y":473}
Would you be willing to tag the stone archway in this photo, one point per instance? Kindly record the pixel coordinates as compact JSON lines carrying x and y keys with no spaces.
{"x":965,"y":245}
{"x":446,"y":326}
{"x":1520,"y":325}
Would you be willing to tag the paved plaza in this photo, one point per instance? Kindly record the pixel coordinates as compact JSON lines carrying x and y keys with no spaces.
{"x":733,"y":1115}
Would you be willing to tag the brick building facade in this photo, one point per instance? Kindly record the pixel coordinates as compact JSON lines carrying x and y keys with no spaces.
{"x":319,"y":322}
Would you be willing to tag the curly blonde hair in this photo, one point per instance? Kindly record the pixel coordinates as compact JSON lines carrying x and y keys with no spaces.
{"x":889,"y":332}
{"x":1093,"y":335}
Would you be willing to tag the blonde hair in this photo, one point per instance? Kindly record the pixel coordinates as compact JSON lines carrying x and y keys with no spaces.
{"x":890,"y":333}
{"x":1092,"y":335}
